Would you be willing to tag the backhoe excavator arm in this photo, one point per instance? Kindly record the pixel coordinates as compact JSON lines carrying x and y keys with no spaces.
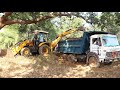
{"x":55,"y":42}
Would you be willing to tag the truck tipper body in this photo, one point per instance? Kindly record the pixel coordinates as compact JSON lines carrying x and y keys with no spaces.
{"x":105,"y":50}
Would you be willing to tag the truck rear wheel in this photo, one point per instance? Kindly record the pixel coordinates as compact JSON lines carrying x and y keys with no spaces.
{"x":64,"y":56}
{"x":71,"y":58}
{"x":44,"y":50}
{"x":25,"y":51}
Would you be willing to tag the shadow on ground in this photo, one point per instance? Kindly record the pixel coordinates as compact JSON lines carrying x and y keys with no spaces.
{"x":53,"y":67}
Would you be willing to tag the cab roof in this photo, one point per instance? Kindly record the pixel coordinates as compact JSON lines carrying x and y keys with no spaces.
{"x":101,"y":35}
{"x":97,"y":32}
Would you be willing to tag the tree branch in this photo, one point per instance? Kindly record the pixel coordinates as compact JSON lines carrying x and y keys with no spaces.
{"x":6,"y":14}
{"x":78,"y":15}
{"x":5,"y":21}
{"x":34,"y":20}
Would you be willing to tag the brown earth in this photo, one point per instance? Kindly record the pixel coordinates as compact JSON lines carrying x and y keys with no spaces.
{"x":3,"y":52}
{"x":52,"y":67}
{"x":6,"y":53}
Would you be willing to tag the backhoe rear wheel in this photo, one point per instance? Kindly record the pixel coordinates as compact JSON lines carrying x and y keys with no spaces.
{"x":44,"y":50}
{"x":25,"y":51}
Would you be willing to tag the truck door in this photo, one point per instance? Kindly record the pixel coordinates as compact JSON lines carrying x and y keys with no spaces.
{"x":95,"y":43}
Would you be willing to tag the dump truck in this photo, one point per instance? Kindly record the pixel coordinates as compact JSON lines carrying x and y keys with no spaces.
{"x":94,"y":47}
{"x":37,"y":43}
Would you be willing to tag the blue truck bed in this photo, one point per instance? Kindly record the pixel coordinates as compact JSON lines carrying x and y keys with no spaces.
{"x":75,"y":46}
{"x":70,"y":46}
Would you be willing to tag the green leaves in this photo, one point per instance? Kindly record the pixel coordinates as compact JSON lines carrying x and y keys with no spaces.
{"x":106,"y":21}
{"x":109,"y":21}
{"x":64,"y":23}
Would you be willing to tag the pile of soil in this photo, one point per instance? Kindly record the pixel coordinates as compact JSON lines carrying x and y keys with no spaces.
{"x":3,"y":52}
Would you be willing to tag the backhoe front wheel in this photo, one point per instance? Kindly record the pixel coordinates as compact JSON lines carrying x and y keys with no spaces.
{"x":25,"y":51}
{"x":44,"y":50}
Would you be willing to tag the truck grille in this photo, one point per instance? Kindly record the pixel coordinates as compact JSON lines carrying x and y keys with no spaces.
{"x":113,"y":54}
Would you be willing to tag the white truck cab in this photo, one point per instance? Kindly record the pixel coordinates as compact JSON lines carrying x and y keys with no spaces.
{"x":106,"y":46}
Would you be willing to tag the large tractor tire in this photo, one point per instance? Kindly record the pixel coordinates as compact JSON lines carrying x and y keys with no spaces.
{"x":44,"y":50}
{"x":25,"y":51}
{"x":93,"y":60}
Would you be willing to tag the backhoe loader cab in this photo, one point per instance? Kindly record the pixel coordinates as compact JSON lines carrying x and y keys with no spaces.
{"x":39,"y":36}
{"x":39,"y":42}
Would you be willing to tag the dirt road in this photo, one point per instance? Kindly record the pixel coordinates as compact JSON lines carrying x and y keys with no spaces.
{"x":39,"y":67}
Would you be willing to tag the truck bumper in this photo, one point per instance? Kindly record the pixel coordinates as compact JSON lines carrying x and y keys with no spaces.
{"x":107,"y":60}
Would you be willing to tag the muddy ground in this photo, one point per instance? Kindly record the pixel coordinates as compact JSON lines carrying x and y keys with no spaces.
{"x":52,"y":67}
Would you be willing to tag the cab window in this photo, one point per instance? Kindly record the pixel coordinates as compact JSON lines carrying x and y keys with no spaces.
{"x":96,"y":41}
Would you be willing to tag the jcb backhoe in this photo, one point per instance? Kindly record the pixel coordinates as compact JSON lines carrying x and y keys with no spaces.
{"x":36,"y":43}
{"x":39,"y":43}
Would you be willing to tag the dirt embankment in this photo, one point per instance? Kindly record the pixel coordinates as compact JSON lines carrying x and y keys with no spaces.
{"x":6,"y":53}
{"x":3,"y":52}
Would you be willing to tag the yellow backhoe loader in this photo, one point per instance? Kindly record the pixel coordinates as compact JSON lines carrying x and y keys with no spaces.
{"x":36,"y":43}
{"x":39,"y":43}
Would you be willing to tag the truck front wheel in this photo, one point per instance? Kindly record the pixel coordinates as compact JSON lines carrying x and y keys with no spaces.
{"x":93,"y":62}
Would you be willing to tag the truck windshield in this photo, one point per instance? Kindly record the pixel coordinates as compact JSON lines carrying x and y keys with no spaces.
{"x":110,"y":41}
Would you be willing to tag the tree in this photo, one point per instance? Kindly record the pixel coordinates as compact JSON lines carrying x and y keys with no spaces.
{"x":17,"y":23}
{"x":65,"y":23}
{"x":110,"y":22}
{"x":7,"y":17}
{"x":21,"y":22}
